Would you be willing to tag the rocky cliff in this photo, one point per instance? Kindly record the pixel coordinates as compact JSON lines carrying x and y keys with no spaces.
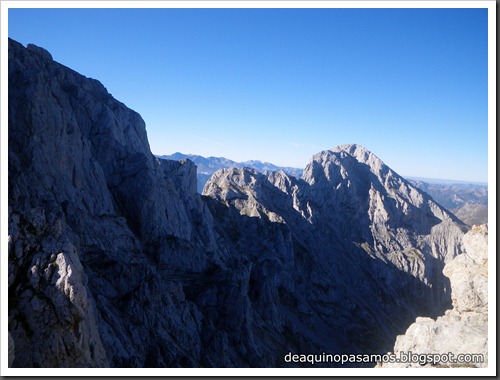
{"x":115,"y":260}
{"x":209,"y":165}
{"x":104,"y":240}
{"x":454,"y":195}
{"x":369,"y":248}
{"x":462,"y":330}
{"x":472,"y":214}
{"x":469,"y":202}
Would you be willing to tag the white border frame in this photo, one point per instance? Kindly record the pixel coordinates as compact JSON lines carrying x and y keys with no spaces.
{"x":491,"y":371}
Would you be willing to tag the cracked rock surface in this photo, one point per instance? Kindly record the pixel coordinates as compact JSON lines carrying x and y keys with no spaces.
{"x":464,"y":328}
{"x":115,"y":260}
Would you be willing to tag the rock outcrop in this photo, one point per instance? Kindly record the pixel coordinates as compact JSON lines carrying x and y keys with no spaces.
{"x":469,"y":202}
{"x":462,"y":330}
{"x":116,"y":260}
{"x":472,"y":214}
{"x":206,"y":166}
{"x":367,"y":243}
{"x":454,"y":195}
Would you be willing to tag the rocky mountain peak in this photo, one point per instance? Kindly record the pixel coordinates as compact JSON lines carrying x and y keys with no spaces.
{"x":343,"y":161}
{"x":39,"y":50}
{"x":362,"y":154}
{"x":115,"y":260}
{"x":233,"y":183}
{"x":348,"y":195}
{"x":351,"y":181}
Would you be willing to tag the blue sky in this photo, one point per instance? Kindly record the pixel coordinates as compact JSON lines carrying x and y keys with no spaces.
{"x":280,"y":85}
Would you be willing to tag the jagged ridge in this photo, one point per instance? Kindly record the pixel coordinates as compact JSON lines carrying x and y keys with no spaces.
{"x":115,"y":260}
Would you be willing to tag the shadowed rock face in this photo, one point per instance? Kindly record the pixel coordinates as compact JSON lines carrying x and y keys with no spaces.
{"x":454,"y":195}
{"x":469,"y":202}
{"x":369,"y":246}
{"x":115,"y":260}
{"x":464,"y":328}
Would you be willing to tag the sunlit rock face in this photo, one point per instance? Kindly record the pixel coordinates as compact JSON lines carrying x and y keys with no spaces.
{"x":468,"y":201}
{"x":369,"y":248}
{"x":462,"y":329}
{"x":116,"y":260}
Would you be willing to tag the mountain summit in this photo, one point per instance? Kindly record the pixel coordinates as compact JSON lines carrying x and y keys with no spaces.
{"x":115,"y":260}
{"x":369,"y":239}
{"x":352,"y":181}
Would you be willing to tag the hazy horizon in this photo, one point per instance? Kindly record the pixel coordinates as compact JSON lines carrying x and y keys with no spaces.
{"x":280,"y":85}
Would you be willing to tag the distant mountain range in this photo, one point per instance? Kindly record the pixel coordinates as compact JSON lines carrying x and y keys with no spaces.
{"x":452,"y":195}
{"x":441,"y":181}
{"x":468,"y":201}
{"x":115,"y":260}
{"x":209,"y":165}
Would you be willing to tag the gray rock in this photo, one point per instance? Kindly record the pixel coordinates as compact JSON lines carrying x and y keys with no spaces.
{"x":463,"y":329}
{"x":39,"y":50}
{"x":361,"y":233}
{"x":472,"y":214}
{"x":115,"y":259}
{"x":92,"y":223}
{"x":12,"y":350}
{"x":468,"y":272}
{"x":453,"y":195}
{"x":206,"y":166}
{"x":468,"y":201}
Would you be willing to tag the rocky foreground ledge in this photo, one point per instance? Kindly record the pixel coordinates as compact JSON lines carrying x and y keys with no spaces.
{"x":463,"y":330}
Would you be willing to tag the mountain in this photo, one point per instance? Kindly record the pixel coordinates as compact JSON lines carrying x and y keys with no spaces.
{"x":462,"y":329}
{"x":472,"y":214}
{"x":364,"y":234}
{"x":467,"y":201}
{"x":209,"y":165}
{"x":115,"y":260}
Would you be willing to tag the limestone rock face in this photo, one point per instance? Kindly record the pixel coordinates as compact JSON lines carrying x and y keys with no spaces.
{"x":366,"y":242}
{"x":468,"y":272}
{"x":454,"y":195}
{"x":472,"y":214}
{"x":206,"y":166}
{"x":11,"y":351}
{"x":41,"y":51}
{"x":463,"y":329}
{"x":100,"y":232}
{"x":115,"y":260}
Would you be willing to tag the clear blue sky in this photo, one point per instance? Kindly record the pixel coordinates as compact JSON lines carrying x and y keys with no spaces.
{"x":279,"y":85}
